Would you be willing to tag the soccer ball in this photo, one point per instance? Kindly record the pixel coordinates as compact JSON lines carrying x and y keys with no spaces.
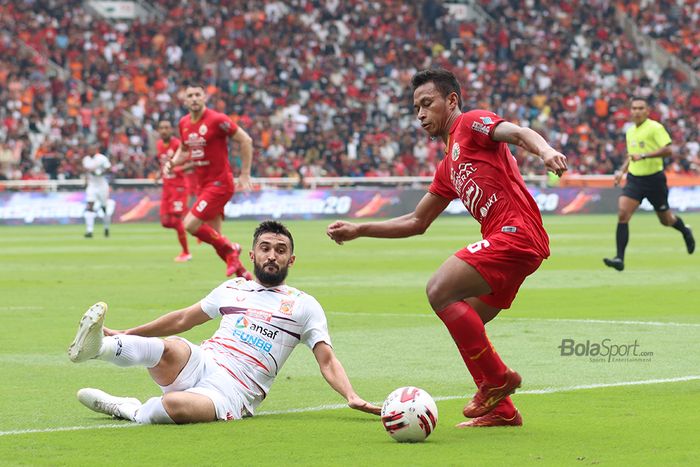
{"x":409,"y":415}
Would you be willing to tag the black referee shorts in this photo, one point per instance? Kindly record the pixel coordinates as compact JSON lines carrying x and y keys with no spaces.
{"x":652,"y":187}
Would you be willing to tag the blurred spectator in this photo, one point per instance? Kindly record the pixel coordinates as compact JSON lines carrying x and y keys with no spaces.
{"x":322,"y":85}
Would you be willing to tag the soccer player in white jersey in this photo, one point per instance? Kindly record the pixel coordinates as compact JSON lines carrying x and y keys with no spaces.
{"x":96,"y":167}
{"x":228,"y":375}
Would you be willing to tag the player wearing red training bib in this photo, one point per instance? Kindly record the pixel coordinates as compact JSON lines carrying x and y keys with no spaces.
{"x":471,"y":287}
{"x":173,"y":201}
{"x":205,"y":135}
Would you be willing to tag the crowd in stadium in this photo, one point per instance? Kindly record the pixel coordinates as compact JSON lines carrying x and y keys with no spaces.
{"x":325,"y":90}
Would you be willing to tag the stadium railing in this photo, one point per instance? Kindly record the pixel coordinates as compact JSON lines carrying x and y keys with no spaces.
{"x":258,"y":183}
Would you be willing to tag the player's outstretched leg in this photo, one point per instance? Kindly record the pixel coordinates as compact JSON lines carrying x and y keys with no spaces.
{"x":88,"y":341}
{"x":118,"y":407}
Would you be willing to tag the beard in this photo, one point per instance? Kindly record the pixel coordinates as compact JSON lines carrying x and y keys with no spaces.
{"x":267,"y":278}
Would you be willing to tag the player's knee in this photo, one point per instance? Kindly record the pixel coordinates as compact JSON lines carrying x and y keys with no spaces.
{"x":667,"y":221}
{"x":435,"y":294}
{"x":177,"y":407}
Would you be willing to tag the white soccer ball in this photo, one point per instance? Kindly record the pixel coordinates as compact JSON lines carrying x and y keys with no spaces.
{"x":409,"y":415}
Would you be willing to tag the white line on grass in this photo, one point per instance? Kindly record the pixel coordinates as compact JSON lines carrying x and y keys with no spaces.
{"x":319,"y":408}
{"x":568,"y":320}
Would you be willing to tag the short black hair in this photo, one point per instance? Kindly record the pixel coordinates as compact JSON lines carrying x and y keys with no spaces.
{"x":196,"y":84}
{"x":275,"y":228}
{"x":640,"y":98}
{"x":444,"y":81}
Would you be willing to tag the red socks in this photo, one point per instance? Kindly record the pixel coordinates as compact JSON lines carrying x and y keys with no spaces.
{"x":469,"y":334}
{"x":175,"y":222}
{"x":220,"y":243}
{"x":182,"y":237}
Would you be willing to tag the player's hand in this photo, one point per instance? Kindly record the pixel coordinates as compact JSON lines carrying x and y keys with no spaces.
{"x":111,"y":332}
{"x":341,"y":231}
{"x":555,"y":162}
{"x":637,"y":157}
{"x":168,"y":168}
{"x":362,"y":405}
{"x":244,"y":182}
{"x":618,"y":177}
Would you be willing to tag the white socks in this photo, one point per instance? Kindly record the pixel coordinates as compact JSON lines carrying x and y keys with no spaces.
{"x":90,"y":221}
{"x":152,"y":411}
{"x":125,"y":350}
{"x":106,"y":219}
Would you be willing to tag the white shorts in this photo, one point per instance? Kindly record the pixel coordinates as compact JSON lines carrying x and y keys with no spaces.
{"x":202,"y":375}
{"x":95,"y":192}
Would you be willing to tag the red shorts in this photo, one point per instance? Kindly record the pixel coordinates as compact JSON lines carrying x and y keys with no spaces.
{"x":504,"y":261}
{"x":211,"y":201}
{"x":173,"y":200}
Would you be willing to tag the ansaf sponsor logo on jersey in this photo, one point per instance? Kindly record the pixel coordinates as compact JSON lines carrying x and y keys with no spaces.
{"x":286,"y":307}
{"x":244,"y":323}
{"x":225,"y":126}
{"x":455,"y":152}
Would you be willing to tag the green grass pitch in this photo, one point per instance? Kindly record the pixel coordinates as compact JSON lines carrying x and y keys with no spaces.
{"x":576,"y":411}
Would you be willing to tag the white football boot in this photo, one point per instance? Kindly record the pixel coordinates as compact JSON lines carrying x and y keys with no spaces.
{"x":88,"y":340}
{"x":118,"y":407}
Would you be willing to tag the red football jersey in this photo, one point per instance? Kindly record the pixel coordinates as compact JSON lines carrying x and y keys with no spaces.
{"x":207,"y":142}
{"x":484,"y":175}
{"x":165,"y":153}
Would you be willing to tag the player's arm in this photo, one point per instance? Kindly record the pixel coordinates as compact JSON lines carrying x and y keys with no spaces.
{"x":246,"y":144}
{"x":169,"y":324}
{"x":414,"y":223}
{"x":531,"y":141}
{"x":334,"y":373}
{"x":665,"y":151}
{"x":622,"y":171}
{"x":180,"y":157}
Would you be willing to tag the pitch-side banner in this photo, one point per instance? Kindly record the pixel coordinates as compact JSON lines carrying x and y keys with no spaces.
{"x":143,"y":205}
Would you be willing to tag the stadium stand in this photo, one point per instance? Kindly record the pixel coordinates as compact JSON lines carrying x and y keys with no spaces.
{"x":325,"y":90}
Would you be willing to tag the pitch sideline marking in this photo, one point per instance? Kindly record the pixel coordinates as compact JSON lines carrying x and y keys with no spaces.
{"x":319,"y":408}
{"x":555,"y":320}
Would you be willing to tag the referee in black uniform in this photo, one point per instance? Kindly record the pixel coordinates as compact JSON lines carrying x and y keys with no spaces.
{"x":648,"y":143}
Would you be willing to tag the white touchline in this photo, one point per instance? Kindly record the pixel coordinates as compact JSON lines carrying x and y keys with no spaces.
{"x":679,"y":379}
{"x":553,"y":320}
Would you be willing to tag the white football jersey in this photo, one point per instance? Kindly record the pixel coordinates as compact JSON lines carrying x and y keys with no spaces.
{"x":259,"y":328}
{"x":96,"y":168}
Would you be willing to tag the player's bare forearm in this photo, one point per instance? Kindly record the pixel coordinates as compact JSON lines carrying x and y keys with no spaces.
{"x":172,"y":323}
{"x":181,"y":156}
{"x":665,"y":151}
{"x":532,"y":142}
{"x":334,"y":374}
{"x":408,"y":225}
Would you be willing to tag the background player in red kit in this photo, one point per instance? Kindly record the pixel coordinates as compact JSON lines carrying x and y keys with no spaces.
{"x":205,"y":134}
{"x":173,"y":201}
{"x":471,"y":287}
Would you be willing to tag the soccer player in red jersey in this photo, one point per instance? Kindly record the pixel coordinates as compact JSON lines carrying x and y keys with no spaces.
{"x":173,"y":201}
{"x":471,"y":287}
{"x":205,"y":135}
